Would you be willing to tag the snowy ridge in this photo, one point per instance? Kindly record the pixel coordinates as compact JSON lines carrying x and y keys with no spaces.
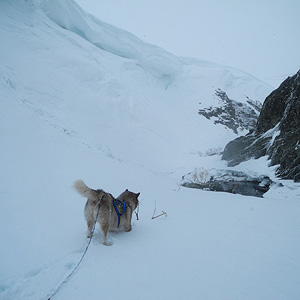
{"x":238,"y":84}
{"x":95,"y":103}
{"x":70,"y":16}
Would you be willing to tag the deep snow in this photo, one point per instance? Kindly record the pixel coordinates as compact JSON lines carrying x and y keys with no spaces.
{"x":92,"y":102}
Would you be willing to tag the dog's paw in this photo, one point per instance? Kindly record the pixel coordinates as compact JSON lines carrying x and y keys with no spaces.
{"x":107,"y":243}
{"x":127,"y":229}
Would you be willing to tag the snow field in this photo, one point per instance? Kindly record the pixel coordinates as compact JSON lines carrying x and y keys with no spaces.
{"x":71,"y":110}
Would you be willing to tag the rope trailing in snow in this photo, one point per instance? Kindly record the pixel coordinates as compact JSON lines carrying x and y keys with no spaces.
{"x":79,"y":262}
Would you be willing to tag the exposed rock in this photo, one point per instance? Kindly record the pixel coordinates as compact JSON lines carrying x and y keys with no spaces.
{"x":233,"y":114}
{"x":230,"y":181}
{"x":276,"y":134}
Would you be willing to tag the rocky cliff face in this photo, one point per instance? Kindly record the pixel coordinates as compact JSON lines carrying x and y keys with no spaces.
{"x":276,"y":134}
{"x":234,"y":115}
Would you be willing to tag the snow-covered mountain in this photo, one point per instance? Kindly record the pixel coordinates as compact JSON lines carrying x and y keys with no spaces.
{"x":84,"y":99}
{"x":132,"y":89}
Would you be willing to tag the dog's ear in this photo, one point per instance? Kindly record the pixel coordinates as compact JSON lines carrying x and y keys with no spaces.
{"x":137,"y":194}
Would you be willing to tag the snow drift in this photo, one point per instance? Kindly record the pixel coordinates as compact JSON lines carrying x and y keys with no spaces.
{"x":70,"y":16}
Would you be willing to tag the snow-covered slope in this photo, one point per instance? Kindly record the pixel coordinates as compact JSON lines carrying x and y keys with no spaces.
{"x":70,"y":16}
{"x":129,"y":90}
{"x":83,"y":99}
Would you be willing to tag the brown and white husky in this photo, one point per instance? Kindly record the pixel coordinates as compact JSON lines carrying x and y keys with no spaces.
{"x":113,"y":214}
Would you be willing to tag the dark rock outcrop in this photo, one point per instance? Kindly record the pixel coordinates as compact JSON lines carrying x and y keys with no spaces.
{"x":233,"y":114}
{"x":230,"y":181}
{"x":276,"y":134}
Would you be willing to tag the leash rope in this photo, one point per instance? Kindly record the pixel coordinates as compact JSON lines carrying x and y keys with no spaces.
{"x":81,"y":259}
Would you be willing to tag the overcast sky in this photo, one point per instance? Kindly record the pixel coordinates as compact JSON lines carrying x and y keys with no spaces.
{"x":261,"y":37}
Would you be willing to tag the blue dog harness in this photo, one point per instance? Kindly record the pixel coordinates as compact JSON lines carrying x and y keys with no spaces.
{"x":119,"y":202}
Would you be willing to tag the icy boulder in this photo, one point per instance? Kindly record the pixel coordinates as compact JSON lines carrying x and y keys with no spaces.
{"x":230,"y":181}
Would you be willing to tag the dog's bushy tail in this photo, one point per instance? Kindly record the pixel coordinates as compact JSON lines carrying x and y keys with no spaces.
{"x":85,"y":191}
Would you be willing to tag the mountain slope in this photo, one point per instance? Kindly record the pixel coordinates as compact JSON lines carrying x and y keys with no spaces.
{"x":72,"y":109}
{"x":138,"y":102}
